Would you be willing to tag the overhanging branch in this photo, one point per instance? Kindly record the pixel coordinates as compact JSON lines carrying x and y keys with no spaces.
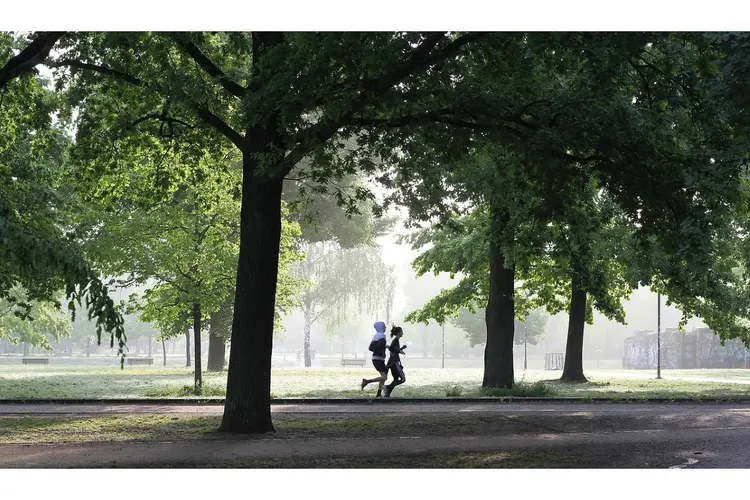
{"x":209,"y":67}
{"x":422,"y":56}
{"x":32,"y":55}
{"x":103,"y":70}
{"x":203,"y":113}
{"x":216,"y":122}
{"x":157,"y":116}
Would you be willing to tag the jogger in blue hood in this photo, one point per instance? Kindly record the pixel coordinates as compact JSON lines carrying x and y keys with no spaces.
{"x":377,"y":346}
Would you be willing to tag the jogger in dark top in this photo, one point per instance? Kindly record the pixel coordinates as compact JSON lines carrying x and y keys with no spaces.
{"x":377,"y":347}
{"x":394,"y":361}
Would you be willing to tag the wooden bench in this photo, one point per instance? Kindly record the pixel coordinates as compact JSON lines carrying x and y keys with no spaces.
{"x":35,"y":361}
{"x":140,"y":361}
{"x":353,"y":362}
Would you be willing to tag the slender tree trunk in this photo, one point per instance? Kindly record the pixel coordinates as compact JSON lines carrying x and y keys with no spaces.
{"x":573,"y":369}
{"x":149,"y":346}
{"x":197,"y":343}
{"x":164,"y":352}
{"x":88,"y":347}
{"x":308,"y":312}
{"x":219,"y":331}
{"x":174,"y":346}
{"x":187,"y":347}
{"x":499,"y":315}
{"x":216,"y":351}
{"x":248,"y":402}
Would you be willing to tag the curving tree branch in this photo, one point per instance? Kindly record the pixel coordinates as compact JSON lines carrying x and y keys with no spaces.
{"x":209,"y":67}
{"x":34,"y":53}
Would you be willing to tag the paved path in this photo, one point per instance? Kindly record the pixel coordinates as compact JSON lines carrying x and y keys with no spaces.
{"x":580,"y":435}
{"x":45,"y":409}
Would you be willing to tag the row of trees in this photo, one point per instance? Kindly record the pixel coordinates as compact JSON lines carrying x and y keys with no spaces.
{"x":565,"y":168}
{"x":645,"y":204}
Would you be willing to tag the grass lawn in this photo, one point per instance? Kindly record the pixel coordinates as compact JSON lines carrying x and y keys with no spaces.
{"x":728,"y":374}
{"x":43,"y":382}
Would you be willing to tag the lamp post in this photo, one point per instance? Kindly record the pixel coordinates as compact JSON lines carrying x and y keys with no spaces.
{"x":443,"y":355}
{"x":658,"y":336}
{"x":525,"y":357}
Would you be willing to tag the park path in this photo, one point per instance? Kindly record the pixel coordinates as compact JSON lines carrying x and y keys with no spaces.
{"x":618,"y":435}
{"x":399,"y":407}
{"x":727,"y":446}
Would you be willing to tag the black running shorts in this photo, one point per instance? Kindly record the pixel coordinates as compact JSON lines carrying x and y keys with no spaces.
{"x":379,"y":365}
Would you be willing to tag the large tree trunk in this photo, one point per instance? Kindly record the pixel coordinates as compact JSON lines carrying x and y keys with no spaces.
{"x":219,"y":332}
{"x":308,"y":312}
{"x":498,"y":353}
{"x":197,"y":343}
{"x":573,"y":369}
{"x":248,"y":401}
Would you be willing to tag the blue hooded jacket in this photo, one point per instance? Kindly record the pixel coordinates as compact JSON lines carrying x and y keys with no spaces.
{"x":378,"y":344}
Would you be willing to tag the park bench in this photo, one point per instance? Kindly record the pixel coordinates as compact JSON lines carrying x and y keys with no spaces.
{"x":140,"y":361}
{"x":35,"y":361}
{"x":353,"y":362}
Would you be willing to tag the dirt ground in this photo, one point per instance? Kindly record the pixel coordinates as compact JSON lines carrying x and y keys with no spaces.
{"x":427,"y":435}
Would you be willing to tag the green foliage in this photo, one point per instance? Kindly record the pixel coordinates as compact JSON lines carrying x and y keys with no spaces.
{"x":629,"y":134}
{"x":36,"y":251}
{"x":531,"y":330}
{"x":183,"y":249}
{"x":339,"y":212}
{"x":37,"y":325}
{"x":341,"y":282}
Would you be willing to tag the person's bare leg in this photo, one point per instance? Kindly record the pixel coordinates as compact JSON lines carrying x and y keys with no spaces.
{"x":382,"y":378}
{"x":381,"y":383}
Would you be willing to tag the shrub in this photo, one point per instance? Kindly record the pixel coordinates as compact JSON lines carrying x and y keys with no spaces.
{"x":208,"y":390}
{"x":519,"y":390}
{"x":454,"y":391}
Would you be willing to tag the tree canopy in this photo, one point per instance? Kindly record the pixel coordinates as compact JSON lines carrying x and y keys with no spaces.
{"x":523,"y":136}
